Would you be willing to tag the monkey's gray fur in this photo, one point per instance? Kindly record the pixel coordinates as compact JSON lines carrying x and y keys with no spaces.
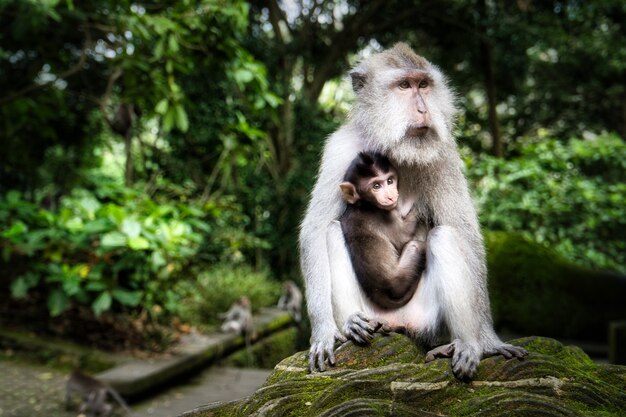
{"x":451,"y":298}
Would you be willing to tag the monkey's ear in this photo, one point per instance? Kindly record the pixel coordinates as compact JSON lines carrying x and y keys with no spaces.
{"x":349,"y":192}
{"x":358,"y":80}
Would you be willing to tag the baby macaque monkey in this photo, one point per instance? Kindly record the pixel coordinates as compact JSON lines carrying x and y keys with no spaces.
{"x":92,"y":395}
{"x":291,"y":300}
{"x":387,"y":258}
{"x":238,"y":318}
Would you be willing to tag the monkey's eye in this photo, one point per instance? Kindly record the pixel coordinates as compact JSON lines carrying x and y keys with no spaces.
{"x":404,"y":84}
{"x":390,"y":180}
{"x":376,"y":186}
{"x":423,"y":84}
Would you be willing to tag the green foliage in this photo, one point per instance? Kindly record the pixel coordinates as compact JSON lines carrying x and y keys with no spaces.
{"x":214,"y":290}
{"x":571,"y":197}
{"x":115,"y":247}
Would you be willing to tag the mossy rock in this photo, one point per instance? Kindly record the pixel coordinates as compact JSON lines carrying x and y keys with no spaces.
{"x":266,"y":353}
{"x":533,"y":290}
{"x":390,"y":378}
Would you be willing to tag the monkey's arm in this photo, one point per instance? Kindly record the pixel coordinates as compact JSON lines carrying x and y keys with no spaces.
{"x":389,"y":279}
{"x":325,"y":206}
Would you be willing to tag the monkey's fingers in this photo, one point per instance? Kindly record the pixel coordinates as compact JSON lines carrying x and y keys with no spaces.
{"x":443,"y":351}
{"x":339,"y":337}
{"x":510,"y":351}
{"x":317,"y":357}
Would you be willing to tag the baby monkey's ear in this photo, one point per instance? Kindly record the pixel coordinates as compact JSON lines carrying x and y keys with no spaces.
{"x":349,"y":192}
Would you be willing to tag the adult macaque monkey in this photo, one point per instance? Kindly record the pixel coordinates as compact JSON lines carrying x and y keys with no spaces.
{"x":291,"y":300}
{"x":92,"y":395}
{"x":386,"y":255}
{"x":405,"y":111}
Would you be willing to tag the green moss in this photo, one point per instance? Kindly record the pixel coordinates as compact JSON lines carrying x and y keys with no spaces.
{"x":535,"y":291}
{"x":61,"y":355}
{"x":265,"y":353}
{"x":554,"y":380}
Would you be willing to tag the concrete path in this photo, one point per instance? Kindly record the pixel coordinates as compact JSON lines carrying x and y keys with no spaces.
{"x":32,"y":391}
{"x":214,"y":384}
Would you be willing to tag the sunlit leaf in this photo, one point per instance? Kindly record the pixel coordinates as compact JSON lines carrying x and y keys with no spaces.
{"x":182,"y":122}
{"x":138,"y":243}
{"x":131,"y":227}
{"x":113,"y":240}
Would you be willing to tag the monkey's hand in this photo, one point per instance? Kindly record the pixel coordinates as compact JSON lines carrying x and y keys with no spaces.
{"x":506,"y":350}
{"x":323,"y":349}
{"x":361,"y":329}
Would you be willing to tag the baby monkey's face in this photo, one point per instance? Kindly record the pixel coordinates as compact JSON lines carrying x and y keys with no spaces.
{"x":381,"y":190}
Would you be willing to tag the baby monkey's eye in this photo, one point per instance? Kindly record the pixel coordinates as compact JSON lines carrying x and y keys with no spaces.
{"x":376,"y":186}
{"x":404,"y":84}
{"x":390,"y":180}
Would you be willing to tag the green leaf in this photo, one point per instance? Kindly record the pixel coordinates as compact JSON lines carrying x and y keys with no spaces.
{"x":138,"y":243}
{"x":162,"y":106}
{"x":21,"y":285}
{"x":168,"y":119}
{"x":182,"y":122}
{"x":131,"y":227}
{"x":173,"y":44}
{"x":243,"y":76}
{"x":113,"y":240}
{"x":57,"y":302}
{"x":18,"y":228}
{"x":102,"y":303}
{"x":126,"y":297}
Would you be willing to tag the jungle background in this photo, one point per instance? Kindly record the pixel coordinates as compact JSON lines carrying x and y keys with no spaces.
{"x":157,"y":156}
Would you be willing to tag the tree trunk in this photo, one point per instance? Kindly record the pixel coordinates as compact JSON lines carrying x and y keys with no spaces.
{"x":486,"y":57}
{"x":128,"y":148}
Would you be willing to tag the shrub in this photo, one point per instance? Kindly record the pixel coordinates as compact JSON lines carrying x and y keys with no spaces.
{"x":113,"y":248}
{"x":213,"y":291}
{"x":569,"y":196}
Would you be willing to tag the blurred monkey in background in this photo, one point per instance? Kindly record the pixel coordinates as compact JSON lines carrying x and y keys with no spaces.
{"x":291,"y":300}
{"x":92,"y":396}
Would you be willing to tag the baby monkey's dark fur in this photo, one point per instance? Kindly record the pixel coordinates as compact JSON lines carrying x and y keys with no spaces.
{"x":387,"y":258}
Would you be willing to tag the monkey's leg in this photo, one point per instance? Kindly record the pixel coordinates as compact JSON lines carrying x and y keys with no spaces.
{"x":342,"y":301}
{"x":458,"y":295}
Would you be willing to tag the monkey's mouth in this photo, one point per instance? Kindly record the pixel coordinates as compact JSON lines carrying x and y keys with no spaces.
{"x":416,"y":131}
{"x":388,"y":207}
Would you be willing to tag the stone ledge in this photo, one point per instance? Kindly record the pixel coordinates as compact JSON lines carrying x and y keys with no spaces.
{"x":137,"y":377}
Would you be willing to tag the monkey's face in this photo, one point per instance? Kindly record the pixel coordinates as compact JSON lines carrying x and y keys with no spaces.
{"x":381,"y":190}
{"x":403,"y":111}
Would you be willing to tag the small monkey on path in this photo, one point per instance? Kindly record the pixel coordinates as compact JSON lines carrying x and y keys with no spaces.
{"x":238,"y":318}
{"x":386,"y":256}
{"x":291,"y":300}
{"x":92,"y":395}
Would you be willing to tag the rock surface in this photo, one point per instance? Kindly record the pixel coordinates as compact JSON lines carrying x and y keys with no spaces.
{"x":389,"y":378}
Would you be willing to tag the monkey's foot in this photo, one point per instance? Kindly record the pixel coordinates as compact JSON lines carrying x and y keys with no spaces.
{"x":322,"y":351}
{"x":361,"y":329}
{"x":465,"y":359}
{"x":443,"y":351}
{"x":507,"y":350}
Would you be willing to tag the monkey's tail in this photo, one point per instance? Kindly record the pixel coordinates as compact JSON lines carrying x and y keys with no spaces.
{"x":120,"y":400}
